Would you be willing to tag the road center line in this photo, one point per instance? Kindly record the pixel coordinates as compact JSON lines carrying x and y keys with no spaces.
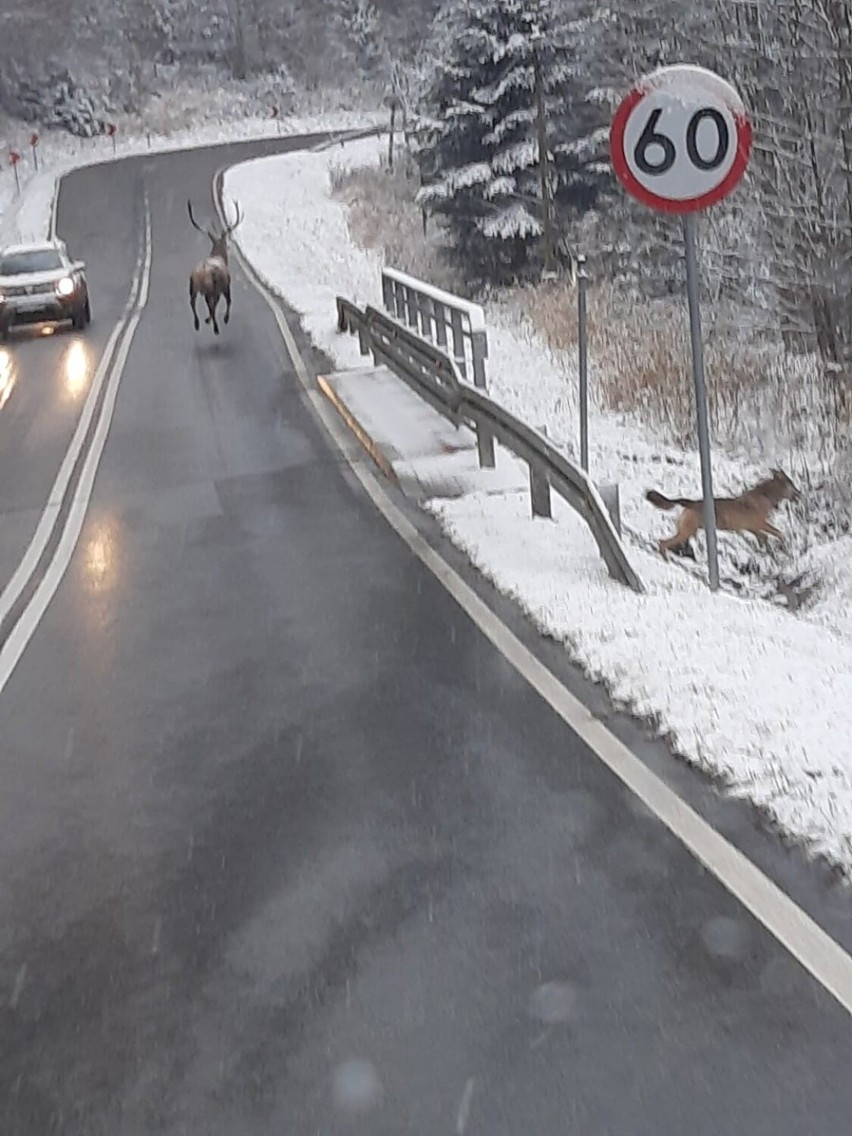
{"x":792,"y":927}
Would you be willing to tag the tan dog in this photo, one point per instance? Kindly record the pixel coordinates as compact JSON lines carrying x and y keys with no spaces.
{"x":747,"y":513}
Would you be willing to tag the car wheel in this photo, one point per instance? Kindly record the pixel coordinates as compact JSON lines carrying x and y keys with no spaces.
{"x":78,"y":319}
{"x":88,"y":312}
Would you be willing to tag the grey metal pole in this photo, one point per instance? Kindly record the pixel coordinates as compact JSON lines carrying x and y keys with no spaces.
{"x":692,"y":294}
{"x":582,"y":284}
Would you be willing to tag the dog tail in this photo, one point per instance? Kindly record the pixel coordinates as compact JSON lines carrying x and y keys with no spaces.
{"x":662,"y":502}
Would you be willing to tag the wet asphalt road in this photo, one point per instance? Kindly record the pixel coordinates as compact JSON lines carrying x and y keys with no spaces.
{"x":285,"y":845}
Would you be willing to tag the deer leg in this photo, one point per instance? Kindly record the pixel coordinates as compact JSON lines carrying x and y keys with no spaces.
{"x":192,"y":305}
{"x":685,"y":551}
{"x":770,"y":530}
{"x":211,"y":307}
{"x":227,"y":294}
{"x":687,"y":526}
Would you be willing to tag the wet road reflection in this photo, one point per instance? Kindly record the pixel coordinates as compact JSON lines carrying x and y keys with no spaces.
{"x":101,"y":555}
{"x":77,"y":368}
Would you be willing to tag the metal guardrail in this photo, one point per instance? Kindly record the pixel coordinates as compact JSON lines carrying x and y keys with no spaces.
{"x":455,"y":325}
{"x":435,"y":376}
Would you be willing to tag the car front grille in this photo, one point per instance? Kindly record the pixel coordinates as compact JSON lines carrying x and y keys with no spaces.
{"x":30,"y":289}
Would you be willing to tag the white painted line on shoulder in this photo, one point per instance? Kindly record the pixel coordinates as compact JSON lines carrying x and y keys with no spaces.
{"x":793,"y":928}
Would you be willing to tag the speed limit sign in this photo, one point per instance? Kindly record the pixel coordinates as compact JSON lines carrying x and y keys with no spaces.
{"x":681,"y":139}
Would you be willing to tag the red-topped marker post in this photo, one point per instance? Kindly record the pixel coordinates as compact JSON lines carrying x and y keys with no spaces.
{"x":680,"y":142}
{"x":14,"y":158}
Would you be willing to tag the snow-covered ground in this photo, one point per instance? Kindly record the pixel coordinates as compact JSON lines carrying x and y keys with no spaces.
{"x":747,"y":691}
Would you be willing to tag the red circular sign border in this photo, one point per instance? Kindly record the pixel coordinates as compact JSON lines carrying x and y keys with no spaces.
{"x":666,"y":204}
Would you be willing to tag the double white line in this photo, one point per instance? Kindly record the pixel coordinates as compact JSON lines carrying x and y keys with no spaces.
{"x":52,"y":546}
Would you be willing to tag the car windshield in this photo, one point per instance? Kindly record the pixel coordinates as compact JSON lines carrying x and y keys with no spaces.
{"x":39,"y":260}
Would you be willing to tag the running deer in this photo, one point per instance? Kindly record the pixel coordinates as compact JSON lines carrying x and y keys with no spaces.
{"x":212,"y":278}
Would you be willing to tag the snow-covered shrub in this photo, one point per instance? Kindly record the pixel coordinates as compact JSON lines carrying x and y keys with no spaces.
{"x":382,"y":216}
{"x":58,"y":102}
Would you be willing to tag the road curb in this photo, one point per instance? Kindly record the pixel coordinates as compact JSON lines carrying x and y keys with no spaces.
{"x":370,"y":444}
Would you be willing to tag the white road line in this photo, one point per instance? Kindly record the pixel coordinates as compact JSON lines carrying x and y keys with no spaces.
{"x":463,"y":1114}
{"x":47,"y":521}
{"x":817,"y":952}
{"x":23,"y":630}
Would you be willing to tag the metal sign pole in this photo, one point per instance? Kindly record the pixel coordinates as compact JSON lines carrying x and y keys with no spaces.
{"x":582,"y":283}
{"x":692,"y":293}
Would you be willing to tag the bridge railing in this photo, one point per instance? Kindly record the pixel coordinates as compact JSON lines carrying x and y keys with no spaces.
{"x":435,"y":375}
{"x":455,"y":325}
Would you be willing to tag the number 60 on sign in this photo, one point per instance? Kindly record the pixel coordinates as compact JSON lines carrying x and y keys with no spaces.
{"x":680,"y":140}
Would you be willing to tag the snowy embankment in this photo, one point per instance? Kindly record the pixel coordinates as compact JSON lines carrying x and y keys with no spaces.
{"x":746,"y":691}
{"x":26,"y":216}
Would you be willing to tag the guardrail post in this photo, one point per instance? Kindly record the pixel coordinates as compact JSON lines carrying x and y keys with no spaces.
{"x":398,"y":301}
{"x":479,"y":348}
{"x":485,"y":447}
{"x":387,"y":293}
{"x":458,"y":342}
{"x":540,"y":492}
{"x":440,"y":324}
{"x":611,"y":497}
{"x":426,"y":318}
{"x":412,"y":307}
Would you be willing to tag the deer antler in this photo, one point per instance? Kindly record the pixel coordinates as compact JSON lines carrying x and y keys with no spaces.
{"x":239,"y":219}
{"x":206,"y":232}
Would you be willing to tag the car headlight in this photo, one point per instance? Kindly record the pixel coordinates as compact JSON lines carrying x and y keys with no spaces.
{"x":65,"y":287}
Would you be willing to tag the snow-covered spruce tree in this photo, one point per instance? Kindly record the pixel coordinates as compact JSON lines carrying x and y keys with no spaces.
{"x":478,"y":132}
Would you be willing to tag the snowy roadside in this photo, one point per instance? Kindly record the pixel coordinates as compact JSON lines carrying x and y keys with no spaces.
{"x":27,"y":217}
{"x":746,"y":691}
